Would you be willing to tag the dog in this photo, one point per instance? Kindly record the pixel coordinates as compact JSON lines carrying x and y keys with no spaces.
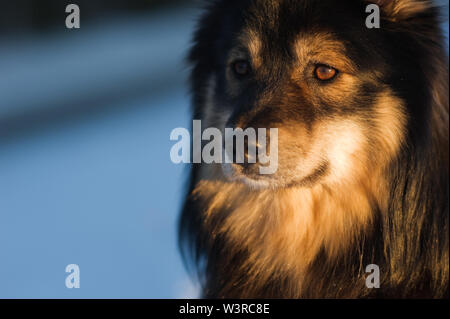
{"x":362,"y":178}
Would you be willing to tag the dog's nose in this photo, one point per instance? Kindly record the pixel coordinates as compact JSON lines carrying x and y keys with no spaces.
{"x":245,"y":154}
{"x":251,"y":152}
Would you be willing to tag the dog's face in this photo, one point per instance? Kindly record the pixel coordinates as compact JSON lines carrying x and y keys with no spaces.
{"x":313,"y":70}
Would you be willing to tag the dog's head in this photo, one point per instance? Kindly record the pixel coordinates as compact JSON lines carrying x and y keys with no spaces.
{"x":344,"y":97}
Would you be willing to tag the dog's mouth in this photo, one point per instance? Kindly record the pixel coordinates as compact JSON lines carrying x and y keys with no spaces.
{"x":242,"y":174}
{"x":250,"y":170}
{"x":248,"y":174}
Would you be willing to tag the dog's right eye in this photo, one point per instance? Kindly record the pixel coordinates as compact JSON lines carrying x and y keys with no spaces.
{"x":325,"y":73}
{"x":241,"y":68}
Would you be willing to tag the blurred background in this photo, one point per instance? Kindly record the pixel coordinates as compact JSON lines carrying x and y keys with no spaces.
{"x":85,"y":172}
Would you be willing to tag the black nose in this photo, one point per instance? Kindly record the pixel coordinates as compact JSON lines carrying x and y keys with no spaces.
{"x":251,"y":152}
{"x":244,"y":153}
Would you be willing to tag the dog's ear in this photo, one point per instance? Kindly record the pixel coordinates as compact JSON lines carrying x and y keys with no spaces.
{"x":398,"y":10}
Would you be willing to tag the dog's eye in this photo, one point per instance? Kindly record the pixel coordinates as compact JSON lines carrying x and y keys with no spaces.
{"x":325,"y":73}
{"x":241,"y":68}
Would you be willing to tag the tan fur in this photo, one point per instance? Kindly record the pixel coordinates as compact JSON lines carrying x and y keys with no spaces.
{"x":397,"y":10}
{"x":284,"y":230}
{"x":249,"y":40}
{"x":322,"y":47}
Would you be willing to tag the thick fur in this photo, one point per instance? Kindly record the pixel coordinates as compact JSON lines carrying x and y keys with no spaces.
{"x":363,"y":168}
